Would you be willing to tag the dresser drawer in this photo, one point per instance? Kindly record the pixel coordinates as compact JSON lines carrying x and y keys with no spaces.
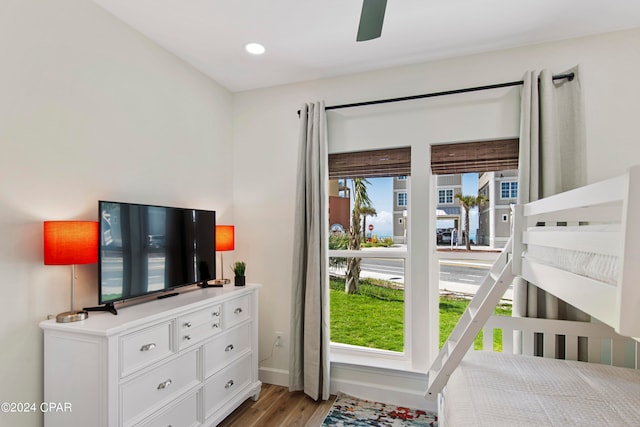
{"x":236,"y":311}
{"x":226,"y":347}
{"x":184,"y":413}
{"x":145,"y":347}
{"x":196,"y":326}
{"x":225,"y":384}
{"x":158,"y":386}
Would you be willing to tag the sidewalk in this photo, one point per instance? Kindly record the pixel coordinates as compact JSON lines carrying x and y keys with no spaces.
{"x":469,"y":291}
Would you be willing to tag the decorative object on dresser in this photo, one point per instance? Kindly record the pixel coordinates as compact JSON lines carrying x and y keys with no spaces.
{"x":239,"y":268}
{"x":188,"y":360}
{"x":225,"y":241}
{"x":71,"y":243}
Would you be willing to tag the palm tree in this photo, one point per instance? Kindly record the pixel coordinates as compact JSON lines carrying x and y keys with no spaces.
{"x":366,"y":211}
{"x":468,"y":203}
{"x":360,"y":200}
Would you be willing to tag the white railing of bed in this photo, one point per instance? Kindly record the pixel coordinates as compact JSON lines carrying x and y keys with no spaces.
{"x":598,"y":224}
{"x":603,"y":344}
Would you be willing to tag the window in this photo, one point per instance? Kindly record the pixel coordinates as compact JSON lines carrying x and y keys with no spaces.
{"x":445,"y":197}
{"x":402,"y":199}
{"x":381,"y":279}
{"x":509,"y":189}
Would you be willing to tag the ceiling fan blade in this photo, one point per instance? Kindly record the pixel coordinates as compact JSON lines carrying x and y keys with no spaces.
{"x":371,"y":19}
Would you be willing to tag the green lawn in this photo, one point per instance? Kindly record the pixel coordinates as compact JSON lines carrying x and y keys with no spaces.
{"x":450,"y":311}
{"x":374,"y":318}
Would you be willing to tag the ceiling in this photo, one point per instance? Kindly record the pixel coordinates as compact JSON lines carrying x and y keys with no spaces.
{"x":308,"y":40}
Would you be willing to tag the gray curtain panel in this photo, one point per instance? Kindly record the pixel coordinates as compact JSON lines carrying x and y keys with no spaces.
{"x":309,"y":354}
{"x":552,"y":159}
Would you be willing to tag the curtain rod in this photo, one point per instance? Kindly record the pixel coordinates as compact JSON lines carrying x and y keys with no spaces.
{"x":568,"y":76}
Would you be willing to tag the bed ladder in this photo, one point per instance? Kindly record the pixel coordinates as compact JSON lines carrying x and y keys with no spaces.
{"x":473,"y":319}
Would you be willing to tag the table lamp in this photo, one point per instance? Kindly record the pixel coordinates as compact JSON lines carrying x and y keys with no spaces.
{"x":224,"y":242}
{"x":71,"y":243}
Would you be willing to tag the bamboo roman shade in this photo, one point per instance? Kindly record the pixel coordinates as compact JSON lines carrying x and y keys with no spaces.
{"x":370,"y":164}
{"x":484,"y":156}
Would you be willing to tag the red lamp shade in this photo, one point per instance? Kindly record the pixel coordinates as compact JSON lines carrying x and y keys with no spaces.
{"x":225,"y":237}
{"x":70,"y":242}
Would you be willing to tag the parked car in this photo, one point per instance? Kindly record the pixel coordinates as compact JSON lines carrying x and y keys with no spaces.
{"x":443,"y":235}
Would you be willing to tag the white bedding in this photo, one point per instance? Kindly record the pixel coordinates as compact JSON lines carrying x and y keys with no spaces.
{"x":598,"y":266}
{"x":495,"y":389}
{"x":603,"y":268}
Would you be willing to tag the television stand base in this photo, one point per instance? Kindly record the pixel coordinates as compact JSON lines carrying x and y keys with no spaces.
{"x":110,"y":307}
{"x":210,"y":285}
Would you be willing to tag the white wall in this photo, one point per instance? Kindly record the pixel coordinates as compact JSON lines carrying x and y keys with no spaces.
{"x":266,"y":132}
{"x":89,"y":110}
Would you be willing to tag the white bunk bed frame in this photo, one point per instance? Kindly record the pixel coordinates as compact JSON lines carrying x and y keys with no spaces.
{"x":615,"y":202}
{"x":596,"y":224}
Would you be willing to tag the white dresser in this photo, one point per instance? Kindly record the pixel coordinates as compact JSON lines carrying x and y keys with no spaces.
{"x":188,"y":360}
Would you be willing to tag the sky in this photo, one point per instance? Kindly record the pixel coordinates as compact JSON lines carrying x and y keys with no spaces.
{"x":380,"y":192}
{"x":470,"y":188}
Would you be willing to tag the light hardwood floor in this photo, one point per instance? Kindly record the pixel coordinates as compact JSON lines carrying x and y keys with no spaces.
{"x":277,"y":407}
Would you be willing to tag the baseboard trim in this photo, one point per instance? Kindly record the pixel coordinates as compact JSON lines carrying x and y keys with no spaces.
{"x":394,"y":387}
{"x":274,"y":376}
{"x":380,"y":393}
{"x":400,"y":388}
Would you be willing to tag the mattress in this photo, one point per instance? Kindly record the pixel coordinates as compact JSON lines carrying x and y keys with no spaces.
{"x":601,"y":267}
{"x":496,"y":389}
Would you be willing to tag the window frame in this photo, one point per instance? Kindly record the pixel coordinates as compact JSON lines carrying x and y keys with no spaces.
{"x":511,"y":188}
{"x":421,"y":326}
{"x":402,"y":195}
{"x":351,"y":354}
{"x":448,"y":195}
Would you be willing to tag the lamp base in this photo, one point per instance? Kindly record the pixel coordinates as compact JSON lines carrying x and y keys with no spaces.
{"x":71,"y":316}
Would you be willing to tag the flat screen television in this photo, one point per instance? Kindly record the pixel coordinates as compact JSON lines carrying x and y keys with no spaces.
{"x":148,"y":249}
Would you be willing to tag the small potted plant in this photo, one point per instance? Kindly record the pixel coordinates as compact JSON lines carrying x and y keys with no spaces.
{"x":238,"y":268}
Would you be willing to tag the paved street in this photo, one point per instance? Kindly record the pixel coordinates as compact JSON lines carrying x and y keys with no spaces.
{"x":462,"y":276}
{"x":471,"y":272}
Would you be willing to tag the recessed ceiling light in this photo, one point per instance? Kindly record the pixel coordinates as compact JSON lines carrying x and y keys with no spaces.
{"x":255,"y":48}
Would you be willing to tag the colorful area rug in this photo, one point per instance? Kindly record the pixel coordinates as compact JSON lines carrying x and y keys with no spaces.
{"x":351,"y":411}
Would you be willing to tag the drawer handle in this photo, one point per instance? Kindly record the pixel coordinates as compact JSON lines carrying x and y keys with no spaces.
{"x":228,"y":384}
{"x":164,"y":385}
{"x":216,"y":313}
{"x":229,"y":347}
{"x":187,"y":324}
{"x":237,"y":310}
{"x":215,"y":325}
{"x":187,"y":337}
{"x":148,"y":347}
